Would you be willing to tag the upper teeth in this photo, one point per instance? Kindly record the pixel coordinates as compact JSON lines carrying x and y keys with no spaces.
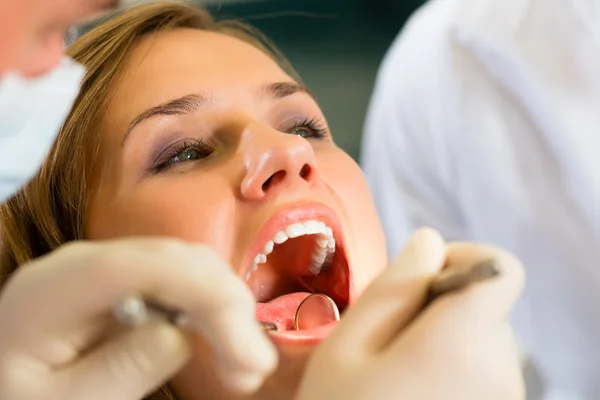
{"x":324,"y":244}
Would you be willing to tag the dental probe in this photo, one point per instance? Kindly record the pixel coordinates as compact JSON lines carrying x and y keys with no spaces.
{"x":316,"y":310}
{"x":453,"y":279}
{"x":319,"y":309}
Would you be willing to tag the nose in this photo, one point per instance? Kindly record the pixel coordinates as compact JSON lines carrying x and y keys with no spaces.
{"x":275,"y":161}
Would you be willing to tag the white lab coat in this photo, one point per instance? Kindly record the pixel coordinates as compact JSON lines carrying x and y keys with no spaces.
{"x":485,"y":124}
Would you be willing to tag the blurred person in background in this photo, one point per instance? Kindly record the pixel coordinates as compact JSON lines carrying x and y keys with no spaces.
{"x":484,"y":125}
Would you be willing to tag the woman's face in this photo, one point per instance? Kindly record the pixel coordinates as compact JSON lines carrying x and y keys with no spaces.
{"x":207,"y":139}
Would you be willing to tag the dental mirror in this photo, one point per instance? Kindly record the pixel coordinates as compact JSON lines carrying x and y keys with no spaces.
{"x":314,"y":311}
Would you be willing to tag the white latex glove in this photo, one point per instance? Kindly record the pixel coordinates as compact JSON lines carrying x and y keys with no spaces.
{"x":57,"y":336}
{"x":460,"y":347}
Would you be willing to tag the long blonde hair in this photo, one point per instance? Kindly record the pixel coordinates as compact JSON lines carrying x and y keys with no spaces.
{"x":51,"y":209}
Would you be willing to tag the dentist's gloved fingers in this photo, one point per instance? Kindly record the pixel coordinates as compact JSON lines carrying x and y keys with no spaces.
{"x":130,"y":366}
{"x":64,"y":292}
{"x":476,"y":311}
{"x":458,"y":347}
{"x":394,"y":298}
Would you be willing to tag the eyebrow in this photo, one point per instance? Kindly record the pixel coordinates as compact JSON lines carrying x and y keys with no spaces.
{"x":191,"y":103}
{"x":280,"y":90}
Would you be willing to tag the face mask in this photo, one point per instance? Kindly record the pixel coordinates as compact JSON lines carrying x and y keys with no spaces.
{"x":32,"y":111}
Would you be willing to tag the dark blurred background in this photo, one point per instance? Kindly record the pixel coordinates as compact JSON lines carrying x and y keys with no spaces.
{"x":335,"y":45}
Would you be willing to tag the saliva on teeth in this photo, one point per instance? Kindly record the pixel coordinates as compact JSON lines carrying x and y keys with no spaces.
{"x":322,"y":253}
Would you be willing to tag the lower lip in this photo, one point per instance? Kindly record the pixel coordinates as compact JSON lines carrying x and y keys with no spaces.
{"x":304,"y":337}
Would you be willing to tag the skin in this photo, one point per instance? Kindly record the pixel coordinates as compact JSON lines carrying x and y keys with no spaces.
{"x":32,"y":31}
{"x":220,"y":200}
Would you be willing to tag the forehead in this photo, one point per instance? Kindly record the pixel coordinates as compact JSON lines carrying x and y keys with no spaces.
{"x":170,"y":64}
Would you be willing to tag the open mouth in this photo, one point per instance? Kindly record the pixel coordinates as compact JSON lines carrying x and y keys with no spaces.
{"x":302,"y":257}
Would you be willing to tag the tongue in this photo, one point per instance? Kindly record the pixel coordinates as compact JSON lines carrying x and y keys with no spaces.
{"x":281,"y":311}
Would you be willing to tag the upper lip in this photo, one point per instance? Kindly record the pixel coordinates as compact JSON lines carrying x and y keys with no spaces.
{"x":287,"y":216}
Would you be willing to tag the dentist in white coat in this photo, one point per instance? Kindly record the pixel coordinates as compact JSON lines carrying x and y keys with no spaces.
{"x":53,"y":310}
{"x":485,"y":125}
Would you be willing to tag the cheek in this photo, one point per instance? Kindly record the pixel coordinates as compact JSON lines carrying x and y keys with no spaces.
{"x":169,"y":206}
{"x":365,"y":241}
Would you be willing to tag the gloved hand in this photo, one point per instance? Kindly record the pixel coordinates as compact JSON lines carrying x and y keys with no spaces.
{"x":460,"y":347}
{"x":58,"y":337}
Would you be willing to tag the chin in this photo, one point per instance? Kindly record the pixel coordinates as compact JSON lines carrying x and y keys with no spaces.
{"x":198,"y":380}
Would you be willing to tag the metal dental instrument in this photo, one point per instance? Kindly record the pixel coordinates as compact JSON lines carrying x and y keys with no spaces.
{"x":452,"y":280}
{"x":134,"y":311}
{"x":315,"y":310}
{"x":319,"y":309}
{"x":269,"y":326}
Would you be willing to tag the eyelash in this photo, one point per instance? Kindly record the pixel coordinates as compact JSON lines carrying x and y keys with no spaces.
{"x":315,"y":124}
{"x":165,"y":161}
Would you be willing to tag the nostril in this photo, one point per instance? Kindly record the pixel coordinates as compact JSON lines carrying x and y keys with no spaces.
{"x":305,"y":174}
{"x":273,"y":180}
{"x":305,"y":171}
